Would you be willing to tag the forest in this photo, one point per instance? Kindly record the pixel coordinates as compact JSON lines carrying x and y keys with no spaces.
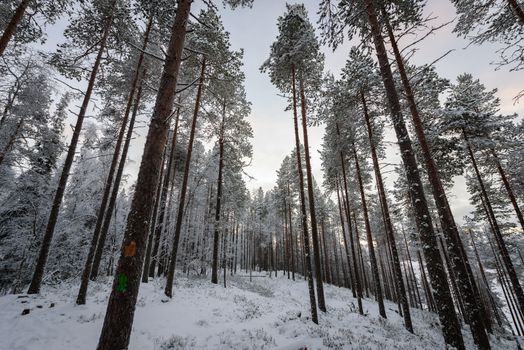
{"x":132,"y":215}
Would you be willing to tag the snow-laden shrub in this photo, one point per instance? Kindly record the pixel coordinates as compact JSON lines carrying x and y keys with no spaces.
{"x":177,"y":342}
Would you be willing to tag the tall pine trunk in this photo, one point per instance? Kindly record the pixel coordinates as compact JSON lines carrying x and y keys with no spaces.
{"x":81,"y":298}
{"x":183,"y":190}
{"x":507,"y":185}
{"x":307,"y":251}
{"x":369,"y":237}
{"x":11,"y":141}
{"x":311,"y":199}
{"x":114,"y":192}
{"x":494,"y":306}
{"x":38,"y":275}
{"x":517,"y":9}
{"x":345,"y":197}
{"x":291,"y":244}
{"x":399,"y":281}
{"x":513,"y":277}
{"x":119,"y":316}
{"x":214,"y":272}
{"x":467,"y":288}
{"x":149,"y":250}
{"x":349,"y":280}
{"x":13,"y":24}
{"x":161,"y":222}
{"x":448,"y":318}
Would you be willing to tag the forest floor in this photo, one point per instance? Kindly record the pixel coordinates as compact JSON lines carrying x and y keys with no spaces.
{"x":267,"y":313}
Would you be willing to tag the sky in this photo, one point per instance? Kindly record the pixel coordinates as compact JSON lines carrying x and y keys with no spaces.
{"x":255,"y":29}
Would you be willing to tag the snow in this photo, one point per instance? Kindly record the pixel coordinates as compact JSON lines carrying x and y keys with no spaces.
{"x":267,"y":313}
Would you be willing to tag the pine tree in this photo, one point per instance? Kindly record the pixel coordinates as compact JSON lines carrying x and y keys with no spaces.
{"x":370,"y":26}
{"x":471,"y":115}
{"x":296,"y":52}
{"x":36,"y":281}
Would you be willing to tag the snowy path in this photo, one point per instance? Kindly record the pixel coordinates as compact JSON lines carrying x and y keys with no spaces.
{"x":263,"y":314}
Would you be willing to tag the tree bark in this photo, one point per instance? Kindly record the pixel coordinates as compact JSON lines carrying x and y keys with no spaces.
{"x":358,"y":281}
{"x":467,"y":289}
{"x":38,"y":275}
{"x":515,"y":313}
{"x":507,"y":185}
{"x":147,"y":263}
{"x":311,"y":199}
{"x":162,"y":222}
{"x":307,"y":254}
{"x":114,"y":192}
{"x":515,"y":7}
{"x":118,"y":321}
{"x":11,"y":140}
{"x":369,"y":236}
{"x":485,"y":280}
{"x":291,"y":244}
{"x":12,"y":25}
{"x":81,"y":298}
{"x":183,"y":190}
{"x":351,"y":282}
{"x":387,"y":220}
{"x":513,"y":277}
{"x":360,"y":256}
{"x":214,"y":272}
{"x":446,"y":311}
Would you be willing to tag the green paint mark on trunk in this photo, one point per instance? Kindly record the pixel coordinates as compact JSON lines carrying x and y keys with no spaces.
{"x":122,"y":283}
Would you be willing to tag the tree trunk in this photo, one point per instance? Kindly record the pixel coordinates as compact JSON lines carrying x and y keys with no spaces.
{"x":515,"y":7}
{"x":183,"y":190}
{"x":224,"y":254}
{"x":358,"y":281}
{"x":473,"y":312}
{"x":38,"y":275}
{"x":369,"y":236}
{"x":12,"y":25}
{"x":114,"y":192}
{"x":214,"y":272}
{"x":81,"y":298}
{"x":511,"y":195}
{"x":412,"y":270}
{"x":11,"y":140}
{"x":446,"y":311}
{"x":429,"y":293}
{"x":308,"y":271}
{"x":494,"y":306}
{"x":350,"y":283}
{"x":155,"y":240}
{"x":311,"y":199}
{"x":147,"y":262}
{"x":360,"y":256}
{"x":286,"y":241}
{"x":387,"y":220}
{"x":162,"y":222}
{"x":508,"y":295}
{"x":327,"y":270}
{"x":118,"y":321}
{"x":291,"y":244}
{"x":513,"y":277}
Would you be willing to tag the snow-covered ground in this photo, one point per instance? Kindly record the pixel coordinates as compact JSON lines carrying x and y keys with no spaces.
{"x":268,"y":313}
